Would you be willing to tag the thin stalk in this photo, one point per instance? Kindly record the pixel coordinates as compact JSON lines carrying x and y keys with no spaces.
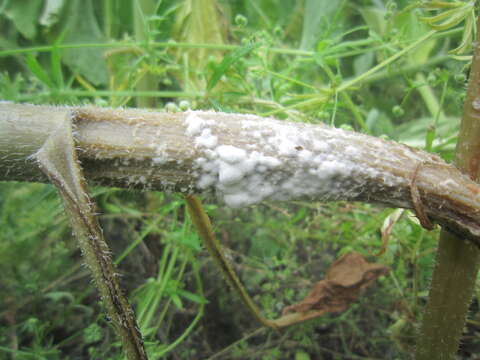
{"x":355,"y":81}
{"x":457,"y":261}
{"x":194,"y":322}
{"x":407,"y":69}
{"x":137,"y":241}
{"x":161,"y":318}
{"x":142,"y":10}
{"x":143,"y":320}
{"x":366,"y":74}
{"x":96,"y":93}
{"x":108,"y":18}
{"x":348,"y":101}
{"x":162,"y":282}
{"x":204,"y":227}
{"x":169,"y":44}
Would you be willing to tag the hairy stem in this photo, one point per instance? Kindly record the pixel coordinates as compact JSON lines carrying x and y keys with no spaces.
{"x":58,"y":160}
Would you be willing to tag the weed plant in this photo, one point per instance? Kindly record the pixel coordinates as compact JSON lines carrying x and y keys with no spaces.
{"x":373,"y":66}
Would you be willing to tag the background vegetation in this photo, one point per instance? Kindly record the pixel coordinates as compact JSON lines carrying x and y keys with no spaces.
{"x":306,"y":61}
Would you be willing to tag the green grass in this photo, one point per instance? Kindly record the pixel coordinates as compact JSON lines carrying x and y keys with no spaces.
{"x":353,"y":65}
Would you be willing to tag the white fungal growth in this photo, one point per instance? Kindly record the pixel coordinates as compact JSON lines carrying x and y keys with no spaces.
{"x":277,"y":161}
{"x":194,"y":124}
{"x":206,"y":139}
{"x":231,"y":154}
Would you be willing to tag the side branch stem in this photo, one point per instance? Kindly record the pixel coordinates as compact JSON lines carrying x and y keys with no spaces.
{"x":204,"y":228}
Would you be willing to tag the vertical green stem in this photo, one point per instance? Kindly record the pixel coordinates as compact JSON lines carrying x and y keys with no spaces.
{"x":450,"y":294}
{"x":107,"y":18}
{"x":142,"y":9}
{"x":457,"y":260}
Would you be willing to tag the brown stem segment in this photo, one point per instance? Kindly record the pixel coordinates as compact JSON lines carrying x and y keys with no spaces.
{"x":457,"y":260}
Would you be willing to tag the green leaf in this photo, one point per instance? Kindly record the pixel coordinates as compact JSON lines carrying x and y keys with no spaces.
{"x":24,"y":15}
{"x":177,"y":301}
{"x":57,"y":296}
{"x":51,"y":12}
{"x":410,"y":30}
{"x":363,"y":62}
{"x":413,"y":133}
{"x":92,"y":333}
{"x":228,"y":61}
{"x":375,"y":19}
{"x":190,"y":240}
{"x":379,"y":123}
{"x":82,"y":27}
{"x":429,"y":139}
{"x":319,"y":16}
{"x":56,"y":64}
{"x":37,"y":70}
{"x":192,"y":297}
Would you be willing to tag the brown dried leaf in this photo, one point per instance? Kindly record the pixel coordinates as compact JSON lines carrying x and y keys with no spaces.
{"x":346,"y":279}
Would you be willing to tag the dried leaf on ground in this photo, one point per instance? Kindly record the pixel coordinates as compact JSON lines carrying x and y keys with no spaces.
{"x":346,"y":279}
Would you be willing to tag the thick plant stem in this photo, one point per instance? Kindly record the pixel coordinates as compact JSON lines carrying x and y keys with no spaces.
{"x":450,"y":294}
{"x":174,"y":151}
{"x":457,"y":260}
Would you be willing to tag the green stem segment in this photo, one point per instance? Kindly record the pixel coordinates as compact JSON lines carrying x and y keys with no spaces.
{"x":457,"y":260}
{"x":142,"y":10}
{"x":450,"y":294}
{"x":204,"y":227}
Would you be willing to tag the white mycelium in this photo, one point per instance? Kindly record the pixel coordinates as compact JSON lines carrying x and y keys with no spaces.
{"x":277,"y":161}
